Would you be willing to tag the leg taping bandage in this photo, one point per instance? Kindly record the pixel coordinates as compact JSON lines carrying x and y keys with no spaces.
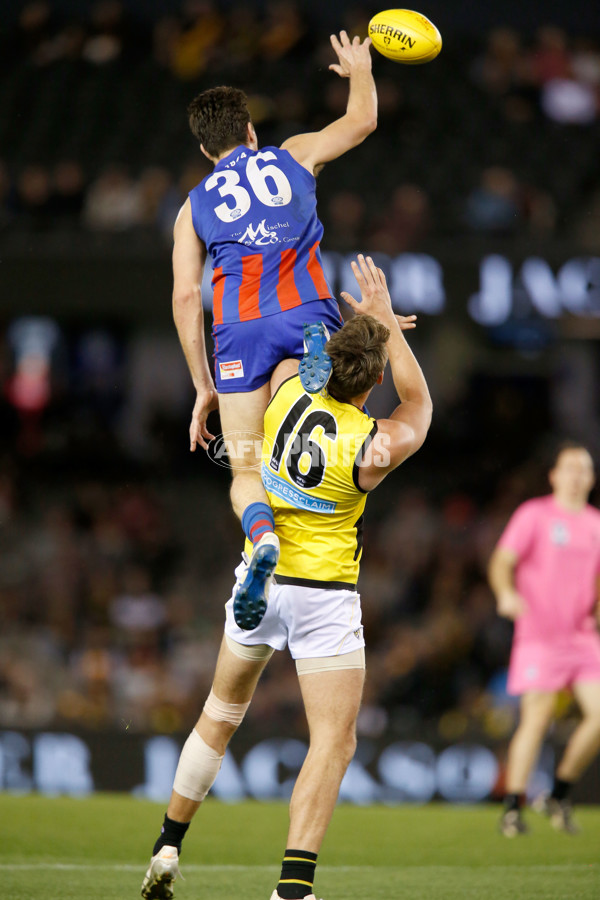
{"x":256,"y":652}
{"x":198,"y":767}
{"x":353,"y":660}
{"x":232,"y":713}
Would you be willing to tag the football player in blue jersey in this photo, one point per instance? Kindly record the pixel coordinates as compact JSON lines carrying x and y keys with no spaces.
{"x":255,"y":217}
{"x":314,"y":608}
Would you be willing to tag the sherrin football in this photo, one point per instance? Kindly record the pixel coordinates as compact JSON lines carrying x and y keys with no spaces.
{"x":405,"y":36}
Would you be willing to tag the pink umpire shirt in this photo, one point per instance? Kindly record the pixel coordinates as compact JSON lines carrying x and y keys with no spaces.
{"x":558,"y":555}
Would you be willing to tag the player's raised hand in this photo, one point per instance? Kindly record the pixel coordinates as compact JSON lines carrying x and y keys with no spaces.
{"x":351,"y":55}
{"x":206,"y":401}
{"x":375,"y":297}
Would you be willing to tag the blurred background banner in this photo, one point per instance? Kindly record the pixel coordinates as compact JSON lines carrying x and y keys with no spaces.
{"x":406,"y":771}
{"x":479,"y":194}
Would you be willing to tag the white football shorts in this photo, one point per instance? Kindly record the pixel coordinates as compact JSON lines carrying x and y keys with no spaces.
{"x":312,"y":622}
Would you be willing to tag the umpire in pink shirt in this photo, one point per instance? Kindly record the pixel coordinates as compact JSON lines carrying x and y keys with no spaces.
{"x":545,"y":573}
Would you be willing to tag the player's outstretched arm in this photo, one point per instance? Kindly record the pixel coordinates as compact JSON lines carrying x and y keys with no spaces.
{"x":189,"y":256}
{"x":360,"y":119}
{"x":400,"y":435}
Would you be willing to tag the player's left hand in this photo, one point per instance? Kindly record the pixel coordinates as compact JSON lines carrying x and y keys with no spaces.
{"x":206,"y":401}
{"x":351,"y":56}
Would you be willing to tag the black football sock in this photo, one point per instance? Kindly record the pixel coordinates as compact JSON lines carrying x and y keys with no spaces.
{"x":171,"y":834}
{"x":561,"y":788}
{"x":297,"y":874}
{"x":513,"y":801}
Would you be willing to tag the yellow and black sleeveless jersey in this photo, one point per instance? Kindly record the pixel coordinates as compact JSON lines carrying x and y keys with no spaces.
{"x":313,"y":445}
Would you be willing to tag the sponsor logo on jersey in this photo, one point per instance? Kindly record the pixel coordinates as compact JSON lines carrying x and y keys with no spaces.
{"x":260,"y":235}
{"x":559,"y":534}
{"x":286,"y":491}
{"x":232,"y":369}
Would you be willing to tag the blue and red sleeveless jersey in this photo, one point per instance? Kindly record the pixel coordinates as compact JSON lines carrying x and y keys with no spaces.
{"x":257,"y":215}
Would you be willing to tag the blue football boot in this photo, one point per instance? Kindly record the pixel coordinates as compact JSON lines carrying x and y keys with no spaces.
{"x":251,"y":595}
{"x":315,"y":366}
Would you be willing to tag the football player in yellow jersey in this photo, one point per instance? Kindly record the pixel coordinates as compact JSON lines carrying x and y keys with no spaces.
{"x":322,"y":454}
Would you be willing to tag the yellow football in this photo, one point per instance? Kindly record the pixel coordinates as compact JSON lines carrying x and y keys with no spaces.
{"x":405,"y":36}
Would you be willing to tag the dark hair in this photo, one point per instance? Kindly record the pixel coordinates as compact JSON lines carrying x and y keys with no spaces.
{"x":359,"y":355}
{"x":219,"y":118}
{"x":562,"y":447}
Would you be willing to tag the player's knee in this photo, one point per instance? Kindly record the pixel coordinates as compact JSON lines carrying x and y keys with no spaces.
{"x":350,"y":746}
{"x":347,"y":749}
{"x":337,"y":742}
{"x":245,"y":459}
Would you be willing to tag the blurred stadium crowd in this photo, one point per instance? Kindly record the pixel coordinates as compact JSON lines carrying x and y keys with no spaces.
{"x":111,"y":593}
{"x":93,"y":127}
{"x":117,"y":547}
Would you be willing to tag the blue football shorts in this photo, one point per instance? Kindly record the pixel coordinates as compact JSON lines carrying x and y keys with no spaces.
{"x":247,"y":353}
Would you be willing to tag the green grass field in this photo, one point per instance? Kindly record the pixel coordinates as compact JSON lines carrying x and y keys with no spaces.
{"x":68,"y":849}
